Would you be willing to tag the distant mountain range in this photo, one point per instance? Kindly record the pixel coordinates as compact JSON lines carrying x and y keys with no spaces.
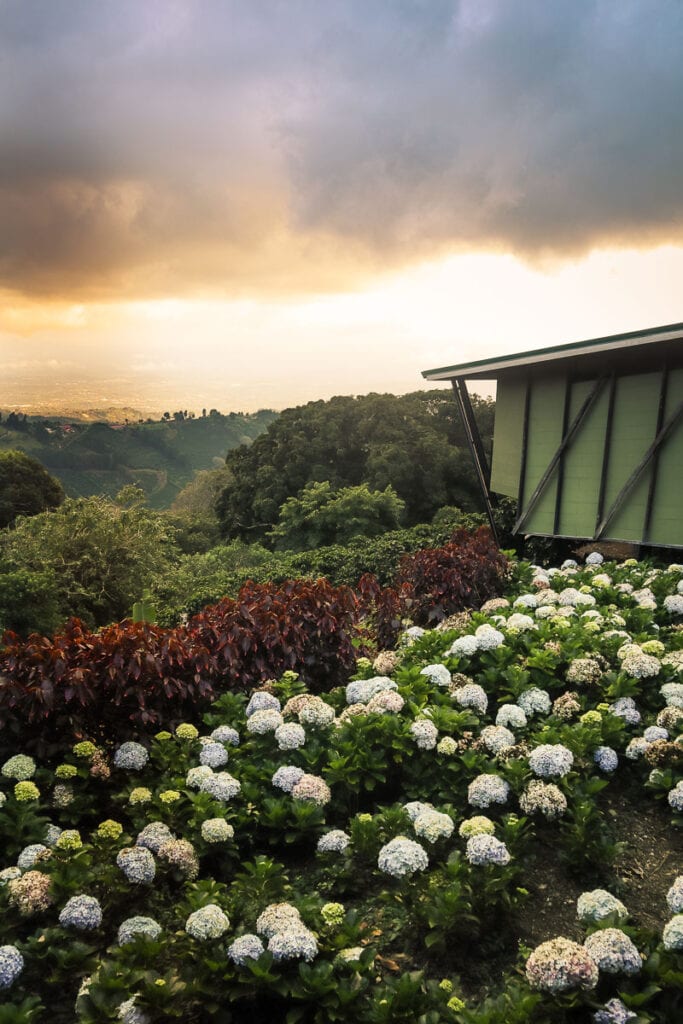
{"x":162,"y":456}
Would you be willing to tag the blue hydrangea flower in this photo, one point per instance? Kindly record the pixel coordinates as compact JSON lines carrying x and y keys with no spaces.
{"x":298,"y":944}
{"x":606,"y":759}
{"x":261,"y":700}
{"x":534,"y":701}
{"x":81,"y":912}
{"x":613,"y":952}
{"x":488,"y":789}
{"x":154,"y":835}
{"x":594,"y":906}
{"x":246,"y":947}
{"x":551,"y":760}
{"x":214,"y":755}
{"x":614,"y":1012}
{"x":290,"y":736}
{"x":335,"y":841}
{"x":226,"y":734}
{"x":279,"y":917}
{"x":287,"y":777}
{"x":131,"y":756}
{"x":485,"y":849}
{"x":11,"y":965}
{"x":672,"y":936}
{"x":471,"y":695}
{"x":360,"y":691}
{"x":437,"y":674}
{"x":674,"y":896}
{"x":222,"y":786}
{"x":30,"y":855}
{"x":137,"y":864}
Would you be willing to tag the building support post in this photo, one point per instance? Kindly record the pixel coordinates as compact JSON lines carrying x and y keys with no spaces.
{"x":476,"y":447}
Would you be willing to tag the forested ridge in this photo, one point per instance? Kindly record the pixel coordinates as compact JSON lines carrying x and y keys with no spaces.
{"x":160,"y":456}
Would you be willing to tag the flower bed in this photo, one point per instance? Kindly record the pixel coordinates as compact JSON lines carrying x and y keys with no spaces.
{"x":374,"y":853}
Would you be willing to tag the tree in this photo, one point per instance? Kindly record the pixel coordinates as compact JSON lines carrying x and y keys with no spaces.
{"x":26,"y":487}
{"x":101,"y":554}
{"x":319,"y":516}
{"x":414,"y":443}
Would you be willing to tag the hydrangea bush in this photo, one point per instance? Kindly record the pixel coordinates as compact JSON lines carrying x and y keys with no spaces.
{"x":366,"y":841}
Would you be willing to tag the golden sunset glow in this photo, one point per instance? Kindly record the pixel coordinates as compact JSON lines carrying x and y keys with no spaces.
{"x":204,"y":205}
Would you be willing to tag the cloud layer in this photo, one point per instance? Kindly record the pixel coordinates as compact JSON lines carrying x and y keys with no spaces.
{"x":180,"y":146}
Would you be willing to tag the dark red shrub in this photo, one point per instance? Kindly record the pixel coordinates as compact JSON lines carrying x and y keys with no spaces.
{"x":128,"y":677}
{"x":384,"y":609}
{"x":462,"y":574}
{"x":105,"y":685}
{"x":303,"y":625}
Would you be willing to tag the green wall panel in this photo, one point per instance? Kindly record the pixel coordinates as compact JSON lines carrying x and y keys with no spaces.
{"x":507,"y":436}
{"x":666,"y":526}
{"x":583,"y":464}
{"x":633,"y":431}
{"x":545,"y":433}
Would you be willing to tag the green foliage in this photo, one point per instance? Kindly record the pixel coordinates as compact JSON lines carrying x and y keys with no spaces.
{"x":97,"y":555}
{"x":26,"y":487}
{"x":414,"y":443}
{"x":197,"y":580}
{"x":28,"y":601}
{"x":319,"y":516}
{"x":162,"y":457}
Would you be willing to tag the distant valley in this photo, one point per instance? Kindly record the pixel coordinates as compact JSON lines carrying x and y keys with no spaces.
{"x":161,"y":456}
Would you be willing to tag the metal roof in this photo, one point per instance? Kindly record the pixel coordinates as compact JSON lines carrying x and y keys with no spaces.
{"x":492,"y":368}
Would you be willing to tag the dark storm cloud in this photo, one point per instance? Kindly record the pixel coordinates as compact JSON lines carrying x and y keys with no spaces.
{"x":174,"y":144}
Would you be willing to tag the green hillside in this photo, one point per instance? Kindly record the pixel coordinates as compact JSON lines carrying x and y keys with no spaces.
{"x":161,"y":457}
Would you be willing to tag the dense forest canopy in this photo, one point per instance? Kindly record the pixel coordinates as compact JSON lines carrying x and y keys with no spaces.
{"x":414,"y":443}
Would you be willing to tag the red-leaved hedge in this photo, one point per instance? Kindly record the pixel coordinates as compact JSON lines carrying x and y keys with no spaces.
{"x":123,"y":679}
{"x":464,"y":573}
{"x":126,"y":678}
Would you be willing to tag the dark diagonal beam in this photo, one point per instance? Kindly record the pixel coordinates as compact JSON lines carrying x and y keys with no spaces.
{"x":567,"y":439}
{"x":635,"y":476}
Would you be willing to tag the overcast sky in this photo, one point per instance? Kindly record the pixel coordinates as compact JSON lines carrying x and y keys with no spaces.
{"x":239,"y":204}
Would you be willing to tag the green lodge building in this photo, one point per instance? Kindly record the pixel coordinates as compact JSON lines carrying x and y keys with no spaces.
{"x":588,"y":437}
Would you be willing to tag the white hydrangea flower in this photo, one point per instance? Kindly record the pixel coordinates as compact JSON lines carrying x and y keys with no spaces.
{"x":261,"y":700}
{"x":488,"y":789}
{"x":437,"y":674}
{"x":209,"y":922}
{"x":613,"y":952}
{"x":598,"y":904}
{"x":263,"y":721}
{"x":290,"y":736}
{"x":551,"y":760}
{"x":424,"y":733}
{"x":432,"y":826}
{"x":511,"y":716}
{"x":401,"y":857}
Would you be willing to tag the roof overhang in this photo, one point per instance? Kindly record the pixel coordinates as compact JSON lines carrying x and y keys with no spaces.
{"x":632,"y":348}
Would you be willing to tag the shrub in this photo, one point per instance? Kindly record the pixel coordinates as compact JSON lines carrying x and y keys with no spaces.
{"x":301,"y":625}
{"x":107,"y":684}
{"x":127,"y":677}
{"x":464,"y":573}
